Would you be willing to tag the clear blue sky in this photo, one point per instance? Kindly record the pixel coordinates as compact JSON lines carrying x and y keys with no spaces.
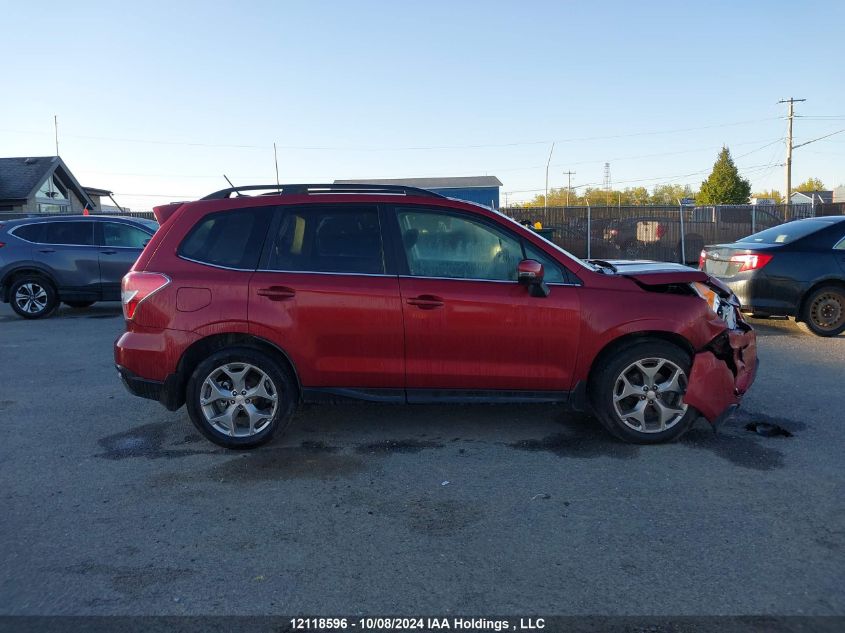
{"x":153,"y":98}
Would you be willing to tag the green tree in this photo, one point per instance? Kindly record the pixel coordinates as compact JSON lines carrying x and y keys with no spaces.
{"x":670,"y":194}
{"x":811,"y":184}
{"x":773,"y":194}
{"x":724,"y":185}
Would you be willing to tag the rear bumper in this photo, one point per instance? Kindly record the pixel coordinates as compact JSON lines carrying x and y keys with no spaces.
{"x":755,"y":295}
{"x":168,"y":392}
{"x":147,"y":361}
{"x":722,"y":373}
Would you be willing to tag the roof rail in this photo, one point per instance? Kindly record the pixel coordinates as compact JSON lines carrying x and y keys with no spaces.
{"x":275,"y":190}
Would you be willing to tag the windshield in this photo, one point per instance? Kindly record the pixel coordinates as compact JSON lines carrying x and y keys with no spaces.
{"x":786,"y":233}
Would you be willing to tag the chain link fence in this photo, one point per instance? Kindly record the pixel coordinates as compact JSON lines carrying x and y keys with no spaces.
{"x":662,"y":233}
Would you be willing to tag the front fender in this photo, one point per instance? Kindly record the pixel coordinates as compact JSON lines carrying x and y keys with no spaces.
{"x":722,"y":373}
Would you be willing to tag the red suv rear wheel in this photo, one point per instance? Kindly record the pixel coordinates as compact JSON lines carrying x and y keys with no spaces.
{"x":240,"y":397}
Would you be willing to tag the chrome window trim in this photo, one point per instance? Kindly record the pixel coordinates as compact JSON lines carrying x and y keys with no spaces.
{"x":318,"y":272}
{"x":196,"y":261}
{"x":840,"y":245}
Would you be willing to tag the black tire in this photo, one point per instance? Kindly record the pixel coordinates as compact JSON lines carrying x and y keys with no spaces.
{"x":283,"y":383}
{"x":78,"y":305}
{"x":603,"y":384}
{"x":823,"y":311}
{"x":42,"y":292}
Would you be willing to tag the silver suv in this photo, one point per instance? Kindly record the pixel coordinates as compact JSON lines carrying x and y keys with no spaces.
{"x":76,"y":259}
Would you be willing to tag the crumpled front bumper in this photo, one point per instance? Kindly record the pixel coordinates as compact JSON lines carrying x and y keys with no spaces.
{"x":723,"y":372}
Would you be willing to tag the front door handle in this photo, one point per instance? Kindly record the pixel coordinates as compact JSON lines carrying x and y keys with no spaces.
{"x":109,"y":252}
{"x":277,"y":293}
{"x":46,"y":250}
{"x":426,"y":302}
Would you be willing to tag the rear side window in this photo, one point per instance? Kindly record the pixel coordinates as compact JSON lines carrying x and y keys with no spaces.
{"x":328,"y":239}
{"x":786,"y":233}
{"x":232,"y":239}
{"x":30,"y":232}
{"x":70,"y":233}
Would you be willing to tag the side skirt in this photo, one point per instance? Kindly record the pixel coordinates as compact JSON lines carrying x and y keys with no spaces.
{"x":433,"y":396}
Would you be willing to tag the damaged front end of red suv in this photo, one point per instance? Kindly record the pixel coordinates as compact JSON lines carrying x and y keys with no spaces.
{"x":723,"y":372}
{"x":725,"y":364}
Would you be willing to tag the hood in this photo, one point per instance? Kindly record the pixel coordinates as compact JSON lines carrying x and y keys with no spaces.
{"x":654,"y":273}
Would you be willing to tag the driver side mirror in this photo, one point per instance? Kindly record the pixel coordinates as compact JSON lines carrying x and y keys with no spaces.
{"x":530,"y":274}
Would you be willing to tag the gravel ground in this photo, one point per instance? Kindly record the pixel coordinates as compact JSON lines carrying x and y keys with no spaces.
{"x":113,"y":505}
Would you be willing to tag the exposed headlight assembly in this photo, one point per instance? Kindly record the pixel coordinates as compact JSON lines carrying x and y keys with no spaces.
{"x":722,"y":308}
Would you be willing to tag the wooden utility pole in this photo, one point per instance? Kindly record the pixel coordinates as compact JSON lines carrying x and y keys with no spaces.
{"x":790,"y":115}
{"x":546,"y":195}
{"x":568,"y":175}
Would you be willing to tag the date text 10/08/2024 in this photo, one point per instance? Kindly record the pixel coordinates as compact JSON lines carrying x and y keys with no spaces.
{"x":411,"y":624}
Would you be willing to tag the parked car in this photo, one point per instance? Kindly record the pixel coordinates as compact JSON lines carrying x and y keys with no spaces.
{"x":659,"y":236}
{"x":796,"y":269}
{"x":77,"y":259}
{"x":242,"y":307}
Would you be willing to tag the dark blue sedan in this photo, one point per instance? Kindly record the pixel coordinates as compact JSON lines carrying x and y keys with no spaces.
{"x":795,"y":269}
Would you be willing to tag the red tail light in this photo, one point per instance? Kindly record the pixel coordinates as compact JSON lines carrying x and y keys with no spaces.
{"x":136,"y":287}
{"x":702,"y":256}
{"x":661,"y":230}
{"x":751,"y":261}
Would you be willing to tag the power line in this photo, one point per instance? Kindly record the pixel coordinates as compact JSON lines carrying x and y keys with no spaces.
{"x":403,"y":148}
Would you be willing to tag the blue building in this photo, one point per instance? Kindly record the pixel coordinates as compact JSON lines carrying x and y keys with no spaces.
{"x":481,"y":189}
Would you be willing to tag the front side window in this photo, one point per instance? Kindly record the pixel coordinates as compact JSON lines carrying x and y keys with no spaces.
{"x":552,"y":273}
{"x":231,"y":239}
{"x":328,"y":239}
{"x":453,"y":246}
{"x":69,"y":233}
{"x":123,"y":235}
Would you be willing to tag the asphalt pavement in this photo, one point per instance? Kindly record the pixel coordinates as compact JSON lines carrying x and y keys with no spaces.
{"x":113,"y":505}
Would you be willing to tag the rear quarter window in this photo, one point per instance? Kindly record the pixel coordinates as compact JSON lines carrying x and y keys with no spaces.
{"x":231,"y":239}
{"x":29,"y":232}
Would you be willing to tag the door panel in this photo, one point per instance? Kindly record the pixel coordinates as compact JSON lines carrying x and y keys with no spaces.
{"x":489,"y":335}
{"x":67,"y":248}
{"x":323,"y":296}
{"x":468,"y":323}
{"x":339,"y":330}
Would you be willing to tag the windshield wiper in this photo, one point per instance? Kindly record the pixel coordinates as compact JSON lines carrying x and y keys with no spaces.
{"x":603,"y":264}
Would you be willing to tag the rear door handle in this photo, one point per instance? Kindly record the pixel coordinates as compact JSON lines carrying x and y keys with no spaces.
{"x":109,"y":252}
{"x":426,"y":302}
{"x":277,"y":293}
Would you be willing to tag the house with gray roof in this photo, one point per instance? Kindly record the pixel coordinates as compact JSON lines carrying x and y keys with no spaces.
{"x":43,"y":184}
{"x":479,"y":189}
{"x":811,"y":197}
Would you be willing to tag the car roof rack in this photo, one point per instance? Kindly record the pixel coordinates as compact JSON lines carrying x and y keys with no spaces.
{"x":329,"y":189}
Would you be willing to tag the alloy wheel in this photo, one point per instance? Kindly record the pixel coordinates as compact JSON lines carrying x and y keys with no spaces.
{"x":239,"y":399}
{"x":648,"y":395}
{"x":31,"y":298}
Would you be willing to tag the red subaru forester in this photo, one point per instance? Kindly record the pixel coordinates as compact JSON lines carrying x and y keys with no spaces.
{"x":242,"y":307}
